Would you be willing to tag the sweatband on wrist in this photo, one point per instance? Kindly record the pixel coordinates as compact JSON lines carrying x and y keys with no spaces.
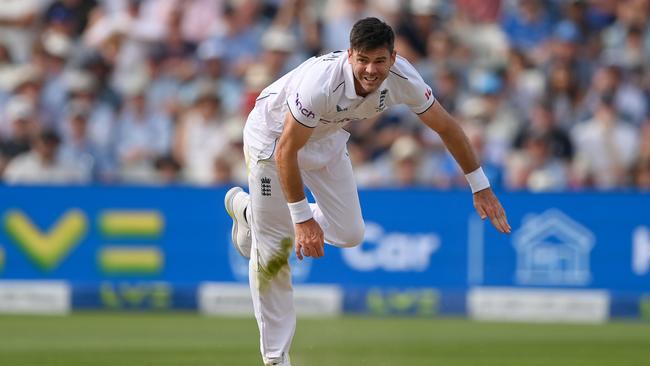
{"x":477,"y":180}
{"x":300,"y":211}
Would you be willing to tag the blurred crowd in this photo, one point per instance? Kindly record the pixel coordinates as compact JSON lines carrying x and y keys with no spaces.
{"x":554,"y":95}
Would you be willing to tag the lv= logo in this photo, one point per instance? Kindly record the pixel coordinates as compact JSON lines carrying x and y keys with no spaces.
{"x":47,"y":249}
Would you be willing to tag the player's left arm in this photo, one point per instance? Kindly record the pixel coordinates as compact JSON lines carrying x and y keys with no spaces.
{"x":485,"y":202}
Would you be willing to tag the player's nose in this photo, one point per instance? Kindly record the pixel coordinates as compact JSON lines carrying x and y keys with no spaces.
{"x":371,"y":68}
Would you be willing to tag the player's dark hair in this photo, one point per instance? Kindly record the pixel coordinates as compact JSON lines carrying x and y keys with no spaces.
{"x":371,"y":34}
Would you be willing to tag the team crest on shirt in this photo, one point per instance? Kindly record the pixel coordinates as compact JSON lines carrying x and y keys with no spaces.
{"x":266,"y":186}
{"x":382,"y":100}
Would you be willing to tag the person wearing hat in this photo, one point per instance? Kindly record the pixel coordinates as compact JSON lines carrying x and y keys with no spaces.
{"x":57,"y":48}
{"x":20,"y":119}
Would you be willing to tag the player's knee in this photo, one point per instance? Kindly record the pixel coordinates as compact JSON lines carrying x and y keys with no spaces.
{"x":353,"y":236}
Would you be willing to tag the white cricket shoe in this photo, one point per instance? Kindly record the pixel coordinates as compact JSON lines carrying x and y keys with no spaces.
{"x":236,"y":201}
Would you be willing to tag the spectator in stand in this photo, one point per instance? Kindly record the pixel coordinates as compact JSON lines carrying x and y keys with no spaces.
{"x":19,"y":20}
{"x":479,"y":11}
{"x":240,"y":36}
{"x":444,"y":51}
{"x":605,"y":148}
{"x":566,"y":47}
{"x":499,"y":119}
{"x":143,"y":134}
{"x":340,"y":15}
{"x":201,"y":136}
{"x":222,"y":169}
{"x":22,"y":81}
{"x":298,"y":17}
{"x":564,"y":94}
{"x":43,"y":165}
{"x":413,"y":32}
{"x":528,"y":26}
{"x":201,"y":19}
{"x":21,"y":117}
{"x":167,"y":170}
{"x":278,"y":45}
{"x":77,"y":147}
{"x":542,"y":123}
{"x":640,"y":172}
{"x":449,"y":91}
{"x":489,"y":62}
{"x":629,"y":100}
{"x":82,"y":93}
{"x":524,"y":82}
{"x":626,"y":42}
{"x":644,"y":140}
{"x":407,"y":168}
{"x":56,"y":50}
{"x":534,"y":167}
{"x":641,"y":175}
{"x":69,"y":16}
{"x":211,"y":55}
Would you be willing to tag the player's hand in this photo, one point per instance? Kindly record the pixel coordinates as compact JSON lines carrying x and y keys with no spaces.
{"x":487,"y":205}
{"x":309,"y":239}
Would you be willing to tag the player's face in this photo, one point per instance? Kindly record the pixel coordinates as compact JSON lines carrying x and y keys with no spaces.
{"x":370,"y":68}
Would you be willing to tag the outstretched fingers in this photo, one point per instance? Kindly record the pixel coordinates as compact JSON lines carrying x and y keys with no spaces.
{"x":498,"y":218}
{"x":298,"y":250}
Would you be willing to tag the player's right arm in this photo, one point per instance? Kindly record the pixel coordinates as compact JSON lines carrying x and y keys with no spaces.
{"x":309,"y":235}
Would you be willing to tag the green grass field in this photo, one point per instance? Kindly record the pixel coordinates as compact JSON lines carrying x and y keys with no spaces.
{"x":123,"y":339}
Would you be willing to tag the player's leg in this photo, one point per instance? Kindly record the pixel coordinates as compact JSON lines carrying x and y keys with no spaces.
{"x":269,"y":273}
{"x":337,"y":208}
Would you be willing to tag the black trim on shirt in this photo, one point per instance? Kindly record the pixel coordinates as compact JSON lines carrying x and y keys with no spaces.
{"x":294,"y":117}
{"x":266,"y":96}
{"x":403,"y":77}
{"x":434,"y":102}
{"x":275,"y":143}
{"x":335,"y":89}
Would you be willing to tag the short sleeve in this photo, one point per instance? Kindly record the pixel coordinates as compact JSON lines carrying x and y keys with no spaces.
{"x":414,"y":92}
{"x":307,"y":103}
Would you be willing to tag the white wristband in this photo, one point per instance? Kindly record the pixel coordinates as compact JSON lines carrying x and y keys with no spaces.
{"x":477,"y":180}
{"x":300,"y":211}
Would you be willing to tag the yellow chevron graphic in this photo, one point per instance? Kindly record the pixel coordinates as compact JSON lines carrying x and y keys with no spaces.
{"x":46,"y":249}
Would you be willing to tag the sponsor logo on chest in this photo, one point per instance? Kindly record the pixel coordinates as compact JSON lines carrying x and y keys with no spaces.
{"x":305,"y":112}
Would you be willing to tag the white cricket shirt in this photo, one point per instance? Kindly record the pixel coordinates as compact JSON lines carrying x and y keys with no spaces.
{"x":320,"y":94}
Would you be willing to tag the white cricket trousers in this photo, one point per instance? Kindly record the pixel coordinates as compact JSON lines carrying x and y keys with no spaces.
{"x":338,"y":212}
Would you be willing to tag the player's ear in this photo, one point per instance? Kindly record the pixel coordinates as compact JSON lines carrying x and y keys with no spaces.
{"x":350,"y":55}
{"x":393,"y":56}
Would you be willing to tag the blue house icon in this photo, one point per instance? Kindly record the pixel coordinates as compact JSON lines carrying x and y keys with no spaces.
{"x":553,"y":249}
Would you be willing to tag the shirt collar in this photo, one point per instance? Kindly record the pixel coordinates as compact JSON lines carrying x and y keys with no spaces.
{"x":350,"y":92}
